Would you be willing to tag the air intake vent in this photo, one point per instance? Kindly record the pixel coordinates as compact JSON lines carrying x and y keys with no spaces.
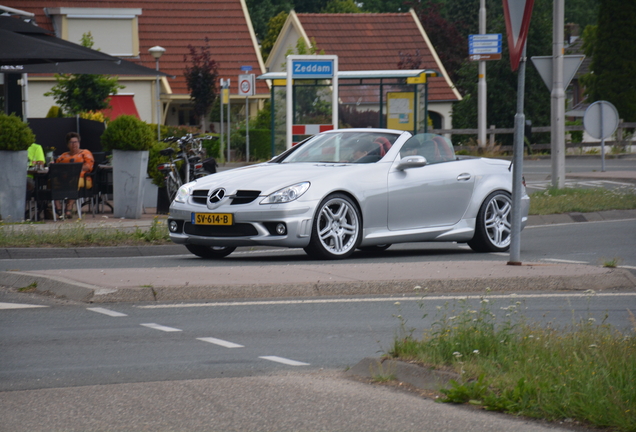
{"x":199,"y":196}
{"x":244,"y":197}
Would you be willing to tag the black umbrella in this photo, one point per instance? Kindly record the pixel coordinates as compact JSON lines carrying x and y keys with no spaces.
{"x":22,"y":44}
{"x":120,"y":67}
{"x":26,"y":48}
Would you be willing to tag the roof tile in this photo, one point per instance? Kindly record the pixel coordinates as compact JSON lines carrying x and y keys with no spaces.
{"x":373,"y":42}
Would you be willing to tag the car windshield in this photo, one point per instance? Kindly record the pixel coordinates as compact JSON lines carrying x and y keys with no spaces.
{"x":344,"y":147}
{"x":435,"y":148}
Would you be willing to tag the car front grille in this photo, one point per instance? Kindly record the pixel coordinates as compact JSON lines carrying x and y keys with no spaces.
{"x":236,"y":230}
{"x":200,"y":197}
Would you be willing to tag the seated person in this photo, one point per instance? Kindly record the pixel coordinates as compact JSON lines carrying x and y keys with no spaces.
{"x":75,"y":154}
{"x":365,"y":151}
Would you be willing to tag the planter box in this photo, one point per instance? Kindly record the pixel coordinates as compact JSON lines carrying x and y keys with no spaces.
{"x":129,"y":176}
{"x":13,"y":177}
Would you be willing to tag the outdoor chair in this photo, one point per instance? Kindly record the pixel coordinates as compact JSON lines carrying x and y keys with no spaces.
{"x":63,"y":185}
{"x":90,"y":195}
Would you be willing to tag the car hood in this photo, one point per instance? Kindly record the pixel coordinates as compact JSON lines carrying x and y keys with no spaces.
{"x":270,"y":177}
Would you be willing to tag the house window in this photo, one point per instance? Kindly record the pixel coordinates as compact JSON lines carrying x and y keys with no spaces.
{"x":114,"y":30}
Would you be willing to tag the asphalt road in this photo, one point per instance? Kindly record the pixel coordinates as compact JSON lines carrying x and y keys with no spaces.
{"x":68,"y":345}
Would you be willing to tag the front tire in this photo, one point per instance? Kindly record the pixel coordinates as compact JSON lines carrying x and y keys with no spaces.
{"x":494,"y":221}
{"x":337,"y":228}
{"x":172,"y":188}
{"x":210,"y":252}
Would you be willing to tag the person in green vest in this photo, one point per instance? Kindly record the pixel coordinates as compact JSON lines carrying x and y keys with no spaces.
{"x":36,"y":159}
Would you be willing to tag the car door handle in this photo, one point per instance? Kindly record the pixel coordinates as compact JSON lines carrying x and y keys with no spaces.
{"x":463,"y":177}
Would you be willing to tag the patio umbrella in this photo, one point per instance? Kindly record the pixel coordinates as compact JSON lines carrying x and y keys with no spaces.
{"x":22,"y":44}
{"x":98,"y":67}
{"x":26,"y":48}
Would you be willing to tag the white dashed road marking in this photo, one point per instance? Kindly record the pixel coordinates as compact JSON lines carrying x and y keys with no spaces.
{"x":19,"y":306}
{"x":220,"y":342}
{"x":107,"y":312}
{"x":284,"y":361}
{"x":160,"y":327}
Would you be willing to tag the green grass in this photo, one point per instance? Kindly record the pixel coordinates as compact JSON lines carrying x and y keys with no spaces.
{"x":79,"y":234}
{"x":554,"y":201}
{"x":585,"y":372}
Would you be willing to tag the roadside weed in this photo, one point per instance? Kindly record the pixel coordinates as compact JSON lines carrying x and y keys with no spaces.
{"x":585,"y":371}
{"x":611,"y":263}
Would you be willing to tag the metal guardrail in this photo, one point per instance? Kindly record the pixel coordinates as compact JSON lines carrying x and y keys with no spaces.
{"x":493,"y":131}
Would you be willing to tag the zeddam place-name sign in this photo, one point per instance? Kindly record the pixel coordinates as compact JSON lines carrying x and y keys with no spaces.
{"x":312,"y":69}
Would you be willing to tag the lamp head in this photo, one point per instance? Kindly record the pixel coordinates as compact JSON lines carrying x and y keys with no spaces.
{"x":157,"y":51}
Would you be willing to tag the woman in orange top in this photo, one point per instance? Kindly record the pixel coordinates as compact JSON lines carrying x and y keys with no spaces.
{"x":75,"y":154}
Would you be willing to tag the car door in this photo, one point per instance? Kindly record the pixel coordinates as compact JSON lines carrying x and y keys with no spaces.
{"x":430,"y":196}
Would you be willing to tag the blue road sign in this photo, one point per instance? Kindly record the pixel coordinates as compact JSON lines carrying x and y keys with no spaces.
{"x":484,"y":44}
{"x":312,"y":69}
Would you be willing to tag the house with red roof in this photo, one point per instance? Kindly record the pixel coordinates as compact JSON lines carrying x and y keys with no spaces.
{"x":368,"y":42}
{"x":129,"y":28}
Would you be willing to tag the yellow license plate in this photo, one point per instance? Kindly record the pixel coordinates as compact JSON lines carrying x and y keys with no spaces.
{"x":212,"y":218}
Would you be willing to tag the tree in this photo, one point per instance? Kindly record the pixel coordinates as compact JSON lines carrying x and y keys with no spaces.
{"x":447,"y":40}
{"x":274,"y":27}
{"x":201,"y":78}
{"x":341,"y":6}
{"x":77,"y":93}
{"x":262,"y":11}
{"x":581,"y":12}
{"x":379,"y":6}
{"x":502,"y":82}
{"x":613,"y":52}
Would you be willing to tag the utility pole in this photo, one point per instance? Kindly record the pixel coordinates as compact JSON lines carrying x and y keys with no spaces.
{"x":481,"y":85}
{"x":557,"y":98}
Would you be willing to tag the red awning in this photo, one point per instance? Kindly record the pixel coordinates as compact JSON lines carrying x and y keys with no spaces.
{"x":120,"y":105}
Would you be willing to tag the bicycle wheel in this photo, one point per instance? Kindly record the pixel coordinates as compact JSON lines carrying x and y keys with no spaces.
{"x":171,"y":187}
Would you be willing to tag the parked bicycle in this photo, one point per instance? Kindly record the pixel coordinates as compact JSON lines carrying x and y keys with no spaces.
{"x":194,"y":165}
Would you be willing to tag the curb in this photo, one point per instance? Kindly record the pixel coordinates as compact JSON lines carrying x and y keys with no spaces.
{"x":93,"y":252}
{"x":82,"y":292}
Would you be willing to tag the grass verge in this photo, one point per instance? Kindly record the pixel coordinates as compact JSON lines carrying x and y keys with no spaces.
{"x":585,"y":372}
{"x":80,"y":234}
{"x":554,"y":201}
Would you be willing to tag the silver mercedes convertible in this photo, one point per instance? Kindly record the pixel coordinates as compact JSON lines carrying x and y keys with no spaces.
{"x":350,"y":189}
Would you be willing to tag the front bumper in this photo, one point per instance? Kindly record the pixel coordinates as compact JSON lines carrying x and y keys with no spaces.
{"x":254,"y":225}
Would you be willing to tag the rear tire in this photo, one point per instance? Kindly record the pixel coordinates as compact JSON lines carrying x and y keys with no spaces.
{"x":493,"y":225}
{"x":337,"y":228}
{"x":210,"y":252}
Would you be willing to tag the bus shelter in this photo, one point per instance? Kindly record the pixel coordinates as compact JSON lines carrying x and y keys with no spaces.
{"x":399,"y":96}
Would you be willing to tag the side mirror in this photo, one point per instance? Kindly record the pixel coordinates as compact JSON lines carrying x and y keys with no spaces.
{"x":411,"y":162}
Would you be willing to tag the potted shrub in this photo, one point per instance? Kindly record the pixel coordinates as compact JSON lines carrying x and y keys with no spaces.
{"x":129,"y":139}
{"x":15,"y":139}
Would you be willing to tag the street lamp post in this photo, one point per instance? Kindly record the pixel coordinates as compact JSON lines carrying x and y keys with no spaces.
{"x":157,"y":52}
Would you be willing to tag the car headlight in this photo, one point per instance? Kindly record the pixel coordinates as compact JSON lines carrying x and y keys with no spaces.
{"x":183,"y":193}
{"x":287,"y":194}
